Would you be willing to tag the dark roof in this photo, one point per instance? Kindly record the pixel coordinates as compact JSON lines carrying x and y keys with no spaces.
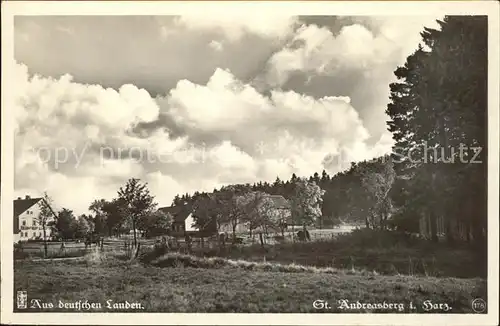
{"x":21,"y":206}
{"x":279,"y":201}
{"x":179,"y":213}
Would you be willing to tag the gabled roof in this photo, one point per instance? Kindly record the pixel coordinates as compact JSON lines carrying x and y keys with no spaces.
{"x":21,"y":206}
{"x":279,"y":201}
{"x":179,"y":213}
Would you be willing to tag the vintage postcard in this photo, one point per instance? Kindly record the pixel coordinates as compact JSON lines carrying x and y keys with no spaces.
{"x":264,"y":163}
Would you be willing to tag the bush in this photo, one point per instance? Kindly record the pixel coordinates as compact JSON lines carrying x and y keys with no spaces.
{"x":179,"y":260}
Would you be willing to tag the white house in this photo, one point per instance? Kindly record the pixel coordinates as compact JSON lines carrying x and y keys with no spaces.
{"x":182,"y":218}
{"x":26,"y":219}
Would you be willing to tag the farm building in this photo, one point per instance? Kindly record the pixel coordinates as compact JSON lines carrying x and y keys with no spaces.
{"x":183,"y":217}
{"x":279,"y":211}
{"x":183,"y":220}
{"x":26,"y":219}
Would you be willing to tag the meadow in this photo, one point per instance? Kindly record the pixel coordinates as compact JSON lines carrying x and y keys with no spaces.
{"x":256,"y":279}
{"x":188,"y":289}
{"x":383,"y":252}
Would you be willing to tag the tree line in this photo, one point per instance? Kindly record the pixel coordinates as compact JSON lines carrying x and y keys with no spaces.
{"x":358,"y":195}
{"x":243,"y":204}
{"x":133,"y":209}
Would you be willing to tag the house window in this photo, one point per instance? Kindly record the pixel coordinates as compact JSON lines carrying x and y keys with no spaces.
{"x":34,"y":223}
{"x":24,"y":223}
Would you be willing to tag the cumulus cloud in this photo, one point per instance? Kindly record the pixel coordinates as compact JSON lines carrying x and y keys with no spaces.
{"x":226,"y":105}
{"x":193,"y":103}
{"x":353,"y":56}
{"x":314,"y":55}
{"x":315,"y":49}
{"x":236,"y":25}
{"x":59,"y":124}
{"x":151,"y":52}
{"x":72,"y":135}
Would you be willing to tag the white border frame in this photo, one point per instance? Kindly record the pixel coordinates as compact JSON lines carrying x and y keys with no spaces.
{"x":408,"y":8}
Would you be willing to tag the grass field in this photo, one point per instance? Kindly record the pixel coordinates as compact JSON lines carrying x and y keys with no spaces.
{"x":383,"y":252}
{"x":369,"y":266}
{"x":231,"y":289}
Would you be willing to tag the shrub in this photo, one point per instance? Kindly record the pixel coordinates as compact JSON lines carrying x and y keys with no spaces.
{"x":180,"y":260}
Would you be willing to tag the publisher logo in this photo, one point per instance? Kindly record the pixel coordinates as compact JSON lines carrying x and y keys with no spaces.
{"x":22,"y":300}
{"x":478,"y":305}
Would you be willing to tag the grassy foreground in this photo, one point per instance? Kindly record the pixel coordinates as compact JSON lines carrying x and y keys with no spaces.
{"x":385,"y":252}
{"x":222,"y":289}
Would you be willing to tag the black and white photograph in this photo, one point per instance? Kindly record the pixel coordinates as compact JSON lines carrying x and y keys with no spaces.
{"x":265,"y":160}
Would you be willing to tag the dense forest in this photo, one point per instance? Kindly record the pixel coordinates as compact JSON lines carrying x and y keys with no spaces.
{"x":441,"y":103}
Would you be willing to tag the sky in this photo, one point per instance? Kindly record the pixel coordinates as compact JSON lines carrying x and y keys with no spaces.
{"x":191,"y":103}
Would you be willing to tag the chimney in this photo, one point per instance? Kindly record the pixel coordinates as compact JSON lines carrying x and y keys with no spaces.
{"x":27,"y":197}
{"x":18,"y":198}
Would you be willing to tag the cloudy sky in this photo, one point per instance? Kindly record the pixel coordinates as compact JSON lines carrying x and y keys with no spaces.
{"x":193,"y":103}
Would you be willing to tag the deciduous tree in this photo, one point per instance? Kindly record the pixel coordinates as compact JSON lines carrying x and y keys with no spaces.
{"x":136,"y":203}
{"x":379,"y":185}
{"x":45,"y":218}
{"x":306,"y":202}
{"x":64,"y":225}
{"x":158,"y":223}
